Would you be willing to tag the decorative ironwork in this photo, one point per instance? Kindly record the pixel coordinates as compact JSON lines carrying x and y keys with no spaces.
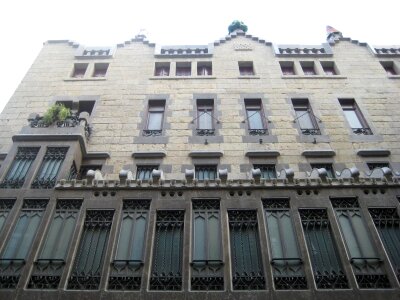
{"x":167,"y":258}
{"x":154,"y":132}
{"x":205,"y":172}
{"x":276,"y":203}
{"x":207,"y":275}
{"x":205,"y":132}
{"x":139,"y":204}
{"x":47,"y":274}
{"x":311,"y":131}
{"x":349,"y":202}
{"x":206,"y":204}
{"x":373,"y":281}
{"x":6,"y":204}
{"x":52,"y":161}
{"x":258,"y":131}
{"x":290,"y":282}
{"x":125,"y":275}
{"x":35,"y":204}
{"x":86,"y":273}
{"x":23,"y":160}
{"x":10,"y":270}
{"x":69,"y":204}
{"x":364,"y":131}
{"x":73,"y":172}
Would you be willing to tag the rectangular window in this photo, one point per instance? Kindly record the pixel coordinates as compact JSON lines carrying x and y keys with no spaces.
{"x":205,"y":117}
{"x":372,"y":166}
{"x":5,"y":207}
{"x":246,"y":68}
{"x":50,"y":264}
{"x":364,"y":259}
{"x":48,"y":172}
{"x":79,"y":70}
{"x":20,"y":166}
{"x":287,"y":67}
{"x":204,"y":69}
{"x":162,"y":69}
{"x":247,"y":266}
{"x":328,"y":167}
{"x":155,"y":118}
{"x":144,"y":172}
{"x":100,"y":69}
{"x":183,"y":69}
{"x":16,"y":250}
{"x":88,"y":264}
{"x":255,"y":117}
{"x":354,"y":117}
{"x":308,"y":68}
{"x":325,"y":260}
{"x":387,"y":223}
{"x":166,"y":271}
{"x":286,"y":261}
{"x":305,"y":117}
{"x":127,"y":267}
{"x":267,"y":171}
{"x":205,"y":172}
{"x":207,"y":264}
{"x":389,"y":67}
{"x":329,"y":68}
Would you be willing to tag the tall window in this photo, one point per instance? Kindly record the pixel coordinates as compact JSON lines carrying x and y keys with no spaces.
{"x":354,"y":117}
{"x":204,"y":69}
{"x":161,"y":69}
{"x":144,"y":172}
{"x":166,"y":271}
{"x":286,"y":260}
{"x":255,"y":117}
{"x":205,"y":172}
{"x":267,"y":171}
{"x":387,"y":222}
{"x":16,"y":250}
{"x":205,"y":116}
{"x":305,"y":117}
{"x":364,"y":259}
{"x":247,"y":267}
{"x":207,"y":264}
{"x":49,"y":266}
{"x":328,"y":167}
{"x":325,"y":260}
{"x":5,"y":207}
{"x":127,"y":266}
{"x":155,"y":117}
{"x":23,"y":160}
{"x":88,"y":264}
{"x":246,"y":68}
{"x":52,"y":162}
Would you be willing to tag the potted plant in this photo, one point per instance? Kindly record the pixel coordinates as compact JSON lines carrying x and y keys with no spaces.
{"x":55,"y":113}
{"x":237,"y":25}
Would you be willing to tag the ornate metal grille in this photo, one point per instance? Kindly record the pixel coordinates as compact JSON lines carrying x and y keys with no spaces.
{"x":205,"y":132}
{"x":364,"y":259}
{"x":52,"y":161}
{"x":168,"y":245}
{"x":247,"y":267}
{"x":206,"y":172}
{"x":5,"y":207}
{"x":267,"y":171}
{"x":144,"y":172}
{"x":86,"y":273}
{"x":207,"y":264}
{"x":19,"y":168}
{"x":73,"y":172}
{"x":49,"y":266}
{"x":286,"y":262}
{"x":327,"y":268}
{"x":18,"y":246}
{"x":127,"y":267}
{"x":387,"y":222}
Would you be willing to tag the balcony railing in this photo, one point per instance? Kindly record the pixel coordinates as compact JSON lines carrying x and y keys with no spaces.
{"x":263,"y":131}
{"x":311,"y":131}
{"x":205,"y":132}
{"x":147,"y":132}
{"x":364,"y":131}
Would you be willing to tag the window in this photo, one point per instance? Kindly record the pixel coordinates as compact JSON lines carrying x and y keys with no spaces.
{"x":183,"y":69}
{"x":144,"y":172}
{"x":20,"y":166}
{"x":88,"y":264}
{"x":354,"y":117}
{"x":364,"y":259}
{"x":205,"y":172}
{"x":50,"y":263}
{"x":79,"y":70}
{"x":247,"y":266}
{"x":79,"y":106}
{"x":5,"y":207}
{"x":246,"y":68}
{"x":308,"y":68}
{"x":372,"y":166}
{"x":155,"y":118}
{"x":328,"y":167}
{"x":162,"y":69}
{"x":204,"y":68}
{"x":267,"y":171}
{"x":305,"y":117}
{"x":17,"y":248}
{"x":287,"y":67}
{"x":207,"y":264}
{"x":286,"y":261}
{"x":325,"y":260}
{"x":166,"y":273}
{"x":255,"y":117}
{"x":389,"y":67}
{"x":48,"y":172}
{"x":329,"y":68}
{"x":205,"y":117}
{"x":127,"y":267}
{"x":100,"y":70}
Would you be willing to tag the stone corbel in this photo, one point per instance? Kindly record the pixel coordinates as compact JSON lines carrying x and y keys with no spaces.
{"x":256,"y":174}
{"x":125,"y":175}
{"x":189,"y":175}
{"x":223,"y":175}
{"x":287,"y":174}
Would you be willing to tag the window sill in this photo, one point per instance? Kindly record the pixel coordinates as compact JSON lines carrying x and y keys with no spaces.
{"x":394,"y":76}
{"x":86,"y":79}
{"x":248,"y":77}
{"x":313,"y":77}
{"x":180,"y":77}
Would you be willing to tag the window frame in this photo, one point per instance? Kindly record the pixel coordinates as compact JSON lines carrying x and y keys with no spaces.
{"x":183,"y":69}
{"x":141,"y":168}
{"x":204,"y":66}
{"x":254,"y":104}
{"x":205,"y":166}
{"x":246,"y":68}
{"x":154,"y":106}
{"x":308,"y":68}
{"x":351,"y":105}
{"x":162,"y":69}
{"x":77,"y":70}
{"x":303,"y":105}
{"x":100,"y":70}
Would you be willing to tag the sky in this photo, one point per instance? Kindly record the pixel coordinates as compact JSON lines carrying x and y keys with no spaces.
{"x":25,"y":25}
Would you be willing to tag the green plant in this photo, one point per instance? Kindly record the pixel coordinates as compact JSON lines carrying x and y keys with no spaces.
{"x":56,"y":112}
{"x":237,"y":25}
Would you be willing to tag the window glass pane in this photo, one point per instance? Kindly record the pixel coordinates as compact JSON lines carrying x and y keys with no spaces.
{"x":66,"y":235}
{"x":363,"y":236}
{"x":214,"y":239}
{"x":291,"y":248}
{"x":199,"y":238}
{"x":255,"y":120}
{"x":274,"y":236}
{"x":138,"y":238}
{"x":304,"y":119}
{"x":349,"y":236}
{"x":352,"y":118}
{"x":205,"y":119}
{"x":16,"y":238}
{"x":155,"y":121}
{"x":28,"y":236}
{"x":125,"y":237}
{"x":54,"y":233}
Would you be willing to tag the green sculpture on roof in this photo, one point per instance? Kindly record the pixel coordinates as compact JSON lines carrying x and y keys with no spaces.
{"x":235,"y":25}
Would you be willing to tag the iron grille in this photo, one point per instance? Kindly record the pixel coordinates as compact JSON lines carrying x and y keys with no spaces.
{"x":5,"y":207}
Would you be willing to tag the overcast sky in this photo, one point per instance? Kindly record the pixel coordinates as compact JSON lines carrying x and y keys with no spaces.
{"x":26,"y":24}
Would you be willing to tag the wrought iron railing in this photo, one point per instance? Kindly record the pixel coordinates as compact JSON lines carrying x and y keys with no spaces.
{"x":288,"y":273}
{"x":10,"y":271}
{"x":205,"y":132}
{"x":364,"y":131}
{"x":263,"y":131}
{"x":311,"y":131}
{"x":125,"y":274}
{"x":207,"y":274}
{"x":47,"y":273}
{"x":147,"y":132}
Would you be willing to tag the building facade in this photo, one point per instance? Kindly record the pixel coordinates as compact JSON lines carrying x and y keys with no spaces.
{"x":238,"y":169}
